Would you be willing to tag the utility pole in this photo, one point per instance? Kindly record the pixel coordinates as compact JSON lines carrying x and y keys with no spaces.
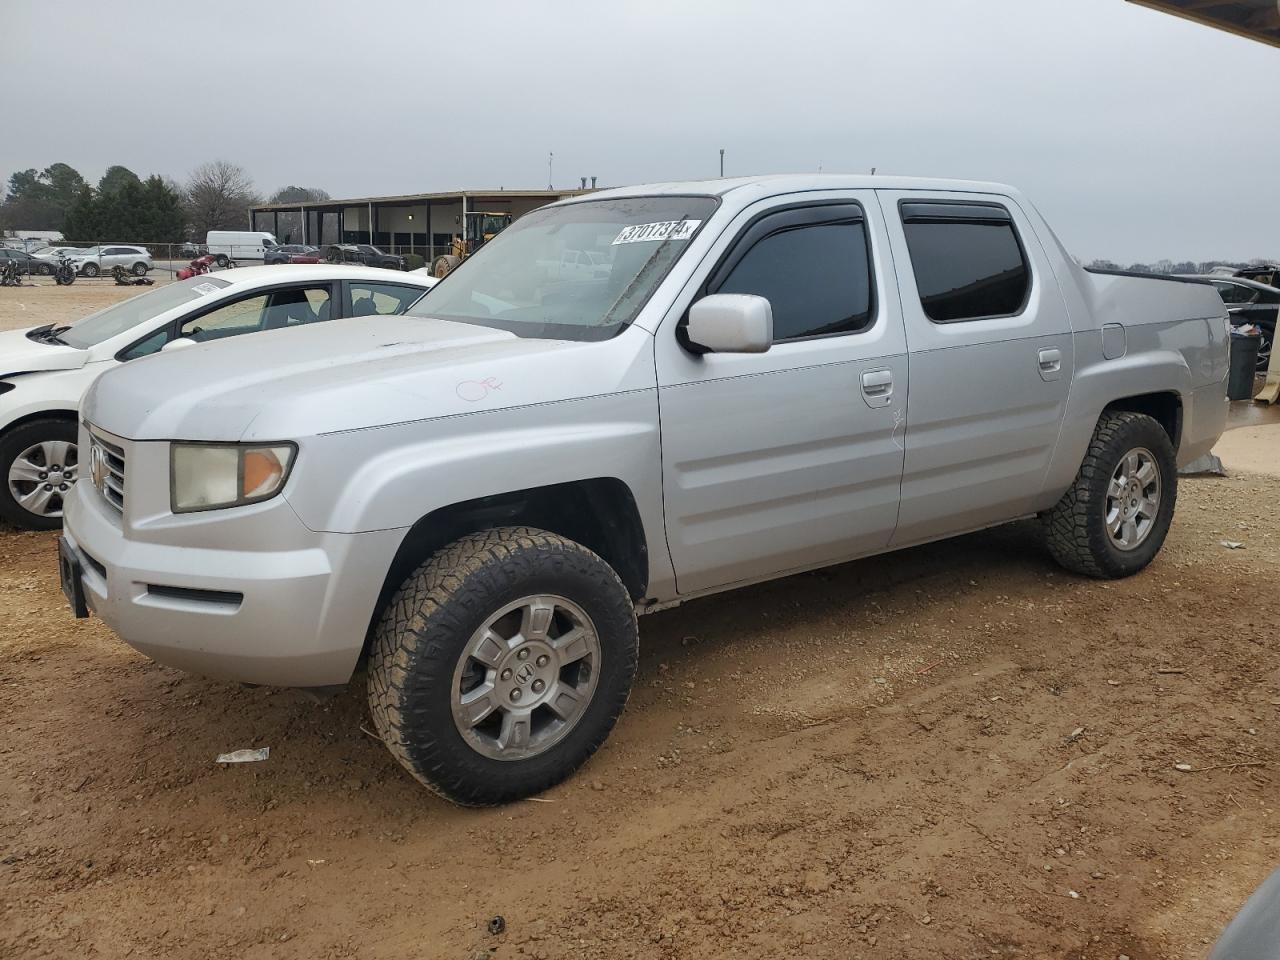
{"x":550,"y":179}
{"x":722,"y":163}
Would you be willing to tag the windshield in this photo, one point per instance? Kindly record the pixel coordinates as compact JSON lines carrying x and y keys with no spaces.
{"x":581,"y":271}
{"x":118,"y":318}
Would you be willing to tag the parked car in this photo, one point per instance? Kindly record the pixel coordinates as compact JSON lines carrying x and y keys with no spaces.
{"x":52,"y":255}
{"x":776,"y":374}
{"x":294,"y":253}
{"x":364,"y":253}
{"x":45,"y":370}
{"x":230,"y":245}
{"x":25,"y":262}
{"x":1249,"y":301}
{"x":91,"y":261}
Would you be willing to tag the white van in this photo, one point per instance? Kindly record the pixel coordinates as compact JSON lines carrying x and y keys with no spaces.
{"x":228,"y":245}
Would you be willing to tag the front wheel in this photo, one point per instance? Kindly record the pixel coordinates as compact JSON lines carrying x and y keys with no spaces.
{"x":45,"y":269}
{"x":90,"y":270}
{"x":501,"y":664}
{"x":222,"y":260}
{"x":38,"y":464}
{"x":1114,"y":519}
{"x":444,"y":263}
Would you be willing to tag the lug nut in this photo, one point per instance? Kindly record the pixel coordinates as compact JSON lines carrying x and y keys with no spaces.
{"x":539,"y":686}
{"x":62,"y":486}
{"x":44,"y":476}
{"x":543,"y":660}
{"x":506,"y":674}
{"x":515,"y":695}
{"x":523,"y":654}
{"x":48,"y":486}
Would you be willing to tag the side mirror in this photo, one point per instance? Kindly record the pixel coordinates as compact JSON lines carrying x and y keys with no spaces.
{"x":731,"y":323}
{"x":179,"y":343}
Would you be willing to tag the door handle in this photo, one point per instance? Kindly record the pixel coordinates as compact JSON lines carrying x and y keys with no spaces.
{"x":877,"y":387}
{"x":1050,"y":360}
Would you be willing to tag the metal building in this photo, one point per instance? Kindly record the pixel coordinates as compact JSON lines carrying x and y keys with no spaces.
{"x":422,"y":223}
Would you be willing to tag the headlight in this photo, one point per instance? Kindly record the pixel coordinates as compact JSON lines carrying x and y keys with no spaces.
{"x":209,"y":476}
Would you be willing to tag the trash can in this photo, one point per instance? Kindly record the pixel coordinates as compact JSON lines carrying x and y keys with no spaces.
{"x":1244,"y":361}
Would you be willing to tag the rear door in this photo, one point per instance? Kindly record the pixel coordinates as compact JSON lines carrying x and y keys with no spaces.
{"x":991,"y":360}
{"x":792,"y":458}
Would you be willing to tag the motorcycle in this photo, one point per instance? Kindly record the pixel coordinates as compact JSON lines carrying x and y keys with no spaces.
{"x":9,"y":275}
{"x":64,"y":273}
{"x":198,"y":266}
{"x":123,"y":278}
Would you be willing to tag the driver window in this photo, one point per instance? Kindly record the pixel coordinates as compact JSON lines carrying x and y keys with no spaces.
{"x":235,"y":318}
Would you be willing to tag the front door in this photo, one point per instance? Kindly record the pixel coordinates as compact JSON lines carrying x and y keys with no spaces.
{"x":792,"y":458}
{"x":991,"y":360}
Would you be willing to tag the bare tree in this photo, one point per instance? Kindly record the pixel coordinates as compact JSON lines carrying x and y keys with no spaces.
{"x":293,"y":194}
{"x":219,"y":195}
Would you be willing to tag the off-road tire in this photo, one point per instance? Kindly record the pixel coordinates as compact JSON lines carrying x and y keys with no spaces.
{"x":431,"y":618}
{"x":444,"y":265}
{"x":11,"y":445}
{"x":1075,"y":529}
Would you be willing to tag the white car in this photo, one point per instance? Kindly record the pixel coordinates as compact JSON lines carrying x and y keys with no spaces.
{"x":92,"y":261}
{"x":45,"y":370}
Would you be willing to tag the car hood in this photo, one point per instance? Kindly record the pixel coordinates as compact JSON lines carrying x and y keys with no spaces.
{"x":20,"y":354}
{"x":353,"y":374}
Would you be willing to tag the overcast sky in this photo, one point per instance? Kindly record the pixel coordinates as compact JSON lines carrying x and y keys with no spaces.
{"x":1138,"y":135}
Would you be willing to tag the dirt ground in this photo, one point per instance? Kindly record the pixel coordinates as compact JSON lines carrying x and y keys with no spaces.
{"x":40,"y":300}
{"x":958,"y":751}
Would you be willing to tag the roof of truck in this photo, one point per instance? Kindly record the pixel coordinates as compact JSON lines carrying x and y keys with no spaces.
{"x":796,"y":182}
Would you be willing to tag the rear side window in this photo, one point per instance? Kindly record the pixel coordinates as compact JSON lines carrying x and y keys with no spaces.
{"x":967,"y":260}
{"x":369,"y":299}
{"x":1234,"y":292}
{"x":816,"y":275}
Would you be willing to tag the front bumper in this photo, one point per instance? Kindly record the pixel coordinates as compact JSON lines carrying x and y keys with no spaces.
{"x":294,"y":616}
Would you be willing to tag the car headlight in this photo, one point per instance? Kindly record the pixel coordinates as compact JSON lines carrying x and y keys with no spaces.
{"x":210,"y":476}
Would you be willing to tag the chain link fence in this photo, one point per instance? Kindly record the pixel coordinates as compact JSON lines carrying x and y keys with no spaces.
{"x":159,"y":262}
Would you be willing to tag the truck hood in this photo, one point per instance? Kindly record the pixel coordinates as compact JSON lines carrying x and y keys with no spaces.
{"x":349,"y":375}
{"x":20,"y":354}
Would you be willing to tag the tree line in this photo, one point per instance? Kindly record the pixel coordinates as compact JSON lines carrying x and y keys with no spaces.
{"x":124,"y":207}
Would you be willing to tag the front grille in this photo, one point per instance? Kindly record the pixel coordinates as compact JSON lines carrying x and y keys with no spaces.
{"x":106,"y":469}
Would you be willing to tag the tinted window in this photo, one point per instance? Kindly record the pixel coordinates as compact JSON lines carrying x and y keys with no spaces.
{"x":1234,"y":292}
{"x":966,"y":266}
{"x":380,"y":299}
{"x":816,"y":278}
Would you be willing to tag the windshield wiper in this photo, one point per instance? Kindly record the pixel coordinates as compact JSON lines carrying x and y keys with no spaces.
{"x":50,"y":334}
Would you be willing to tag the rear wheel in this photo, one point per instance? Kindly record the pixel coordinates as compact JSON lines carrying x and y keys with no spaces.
{"x":38,"y":463}
{"x":1113,"y":520}
{"x":501,"y":664}
{"x":139,"y":269}
{"x":1264,"y":347}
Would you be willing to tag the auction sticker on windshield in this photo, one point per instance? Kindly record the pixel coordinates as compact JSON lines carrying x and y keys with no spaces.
{"x":204,"y":289}
{"x":666,"y":230}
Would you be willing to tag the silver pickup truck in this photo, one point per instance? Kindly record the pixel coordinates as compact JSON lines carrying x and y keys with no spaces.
{"x":742,"y":379}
